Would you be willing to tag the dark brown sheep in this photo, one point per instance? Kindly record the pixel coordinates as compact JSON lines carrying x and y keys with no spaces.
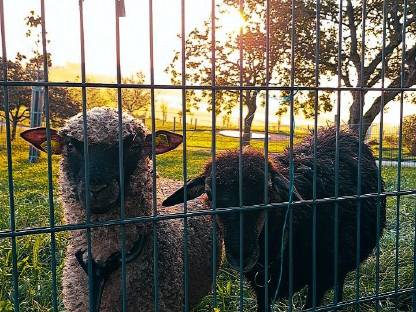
{"x":253,"y":169}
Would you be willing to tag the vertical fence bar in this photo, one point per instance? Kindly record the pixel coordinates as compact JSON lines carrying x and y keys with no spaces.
{"x":360,"y":145}
{"x":184,"y":159}
{"x":155,"y":288}
{"x":15,"y":276}
{"x":86,"y":156}
{"x":120,"y":160}
{"x":213,"y":152}
{"x":291,"y":141}
{"x":315,"y":141}
{"x":48,"y":142}
{"x":336,"y":171}
{"x":240,"y":161}
{"x":380,"y":154}
{"x":400,"y":156}
{"x":266,"y":162}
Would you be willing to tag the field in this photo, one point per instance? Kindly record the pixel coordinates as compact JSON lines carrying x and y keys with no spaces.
{"x":34,"y":252}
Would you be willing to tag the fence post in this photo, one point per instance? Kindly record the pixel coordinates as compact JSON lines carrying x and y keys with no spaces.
{"x":36,"y":108}
{"x":174,"y":123}
{"x":195,"y":123}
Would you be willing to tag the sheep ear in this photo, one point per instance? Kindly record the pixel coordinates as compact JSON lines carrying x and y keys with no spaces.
{"x":37,"y":137}
{"x":194,"y":188}
{"x":165,"y":142}
{"x":281,"y":185}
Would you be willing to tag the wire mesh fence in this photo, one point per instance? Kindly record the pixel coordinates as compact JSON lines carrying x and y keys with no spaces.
{"x":90,"y":251}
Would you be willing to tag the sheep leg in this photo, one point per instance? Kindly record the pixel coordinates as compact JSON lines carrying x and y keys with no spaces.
{"x":261,"y":303}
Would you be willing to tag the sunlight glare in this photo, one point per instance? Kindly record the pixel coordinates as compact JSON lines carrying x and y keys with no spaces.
{"x":232,"y":21}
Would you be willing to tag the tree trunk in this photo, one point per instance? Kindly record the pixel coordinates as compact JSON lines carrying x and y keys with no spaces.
{"x":413,"y":149}
{"x":248,"y":119}
{"x":14,"y":129}
{"x":378,"y":104}
{"x":354,"y":119}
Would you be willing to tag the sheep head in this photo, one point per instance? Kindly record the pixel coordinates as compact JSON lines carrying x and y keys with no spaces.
{"x":227,"y":195}
{"x":103,"y":153}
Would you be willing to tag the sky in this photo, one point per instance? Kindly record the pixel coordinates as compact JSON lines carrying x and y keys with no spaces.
{"x":62,"y":25}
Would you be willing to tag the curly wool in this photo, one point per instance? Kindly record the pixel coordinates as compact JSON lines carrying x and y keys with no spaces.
{"x":102,"y":126}
{"x":107,"y":240}
{"x":253,"y":162}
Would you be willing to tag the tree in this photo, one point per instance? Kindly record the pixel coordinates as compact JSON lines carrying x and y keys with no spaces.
{"x":136,"y":101}
{"x":361,"y":65}
{"x":19,"y":97}
{"x":253,"y":42}
{"x":226,"y":118}
{"x":409,"y":133}
{"x":61,"y":103}
{"x":164,"y":109}
{"x":363,"y":68}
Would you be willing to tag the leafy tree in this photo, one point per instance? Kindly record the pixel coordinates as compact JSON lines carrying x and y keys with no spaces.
{"x":164,"y":110}
{"x":19,"y":97}
{"x":409,"y":133}
{"x":61,"y":103}
{"x":253,"y":42}
{"x":136,"y":101}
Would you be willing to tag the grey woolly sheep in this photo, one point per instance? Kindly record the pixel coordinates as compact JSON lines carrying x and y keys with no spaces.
{"x":253,"y":259}
{"x":104,"y":202}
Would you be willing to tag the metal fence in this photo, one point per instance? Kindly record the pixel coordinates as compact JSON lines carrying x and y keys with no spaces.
{"x":399,"y":297}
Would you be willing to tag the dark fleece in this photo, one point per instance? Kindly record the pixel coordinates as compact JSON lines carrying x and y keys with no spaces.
{"x":227,"y":178}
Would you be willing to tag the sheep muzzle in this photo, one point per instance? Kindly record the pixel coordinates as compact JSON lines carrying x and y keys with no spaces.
{"x":250,"y":237}
{"x":102,"y":196}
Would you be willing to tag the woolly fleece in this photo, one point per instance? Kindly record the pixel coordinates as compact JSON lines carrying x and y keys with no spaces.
{"x":103,"y":128}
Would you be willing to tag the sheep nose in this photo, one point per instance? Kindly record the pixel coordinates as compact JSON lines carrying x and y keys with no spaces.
{"x":96,"y":188}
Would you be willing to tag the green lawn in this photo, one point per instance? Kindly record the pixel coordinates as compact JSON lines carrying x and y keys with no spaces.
{"x":34,"y":252}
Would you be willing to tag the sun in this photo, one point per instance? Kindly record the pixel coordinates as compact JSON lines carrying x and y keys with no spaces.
{"x":231,"y":21}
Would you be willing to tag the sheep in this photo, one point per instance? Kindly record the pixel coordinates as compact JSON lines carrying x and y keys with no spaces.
{"x":104,"y":203}
{"x":253,"y":165}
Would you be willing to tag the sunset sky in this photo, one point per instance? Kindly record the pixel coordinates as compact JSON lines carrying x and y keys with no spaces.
{"x":62,"y":24}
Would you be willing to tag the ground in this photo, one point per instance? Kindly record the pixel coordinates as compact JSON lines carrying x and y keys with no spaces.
{"x":34,"y":252}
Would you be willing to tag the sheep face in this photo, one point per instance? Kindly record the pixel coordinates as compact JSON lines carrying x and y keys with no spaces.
{"x":104,"y":187}
{"x":103,"y":168}
{"x":227,"y":195}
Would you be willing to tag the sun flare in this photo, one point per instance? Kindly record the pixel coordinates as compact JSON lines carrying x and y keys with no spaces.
{"x":232,"y":21}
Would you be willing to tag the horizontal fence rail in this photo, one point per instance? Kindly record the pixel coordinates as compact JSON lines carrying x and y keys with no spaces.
{"x":35,"y":232}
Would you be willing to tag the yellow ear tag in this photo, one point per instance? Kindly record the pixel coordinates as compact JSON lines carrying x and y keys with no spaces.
{"x":55,"y":147}
{"x":162,"y":139}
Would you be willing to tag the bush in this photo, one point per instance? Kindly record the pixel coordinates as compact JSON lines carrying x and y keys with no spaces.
{"x":409,"y":133}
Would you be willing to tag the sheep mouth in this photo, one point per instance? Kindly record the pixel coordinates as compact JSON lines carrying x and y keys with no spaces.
{"x":102,"y":201}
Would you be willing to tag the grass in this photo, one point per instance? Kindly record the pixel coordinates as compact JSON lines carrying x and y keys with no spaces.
{"x":34,"y":252}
